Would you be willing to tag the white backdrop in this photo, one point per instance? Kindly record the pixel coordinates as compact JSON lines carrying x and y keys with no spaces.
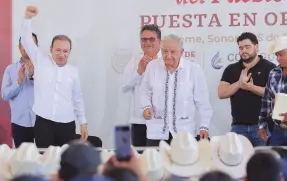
{"x":105,"y":34}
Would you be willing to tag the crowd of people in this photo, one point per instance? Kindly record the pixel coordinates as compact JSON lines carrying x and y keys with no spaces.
{"x":46,"y":99}
{"x":230,"y":157}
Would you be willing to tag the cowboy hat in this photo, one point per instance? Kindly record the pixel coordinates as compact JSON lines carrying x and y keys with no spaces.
{"x":5,"y":156}
{"x":186,"y":157}
{"x":26,"y":160}
{"x":151,"y":164}
{"x":51,"y":159}
{"x":279,"y":44}
{"x":230,"y":153}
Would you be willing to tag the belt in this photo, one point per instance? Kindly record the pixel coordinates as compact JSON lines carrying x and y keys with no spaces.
{"x":243,"y":124}
{"x":280,"y":124}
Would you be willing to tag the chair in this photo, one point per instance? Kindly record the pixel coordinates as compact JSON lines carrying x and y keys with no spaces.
{"x":94,"y":140}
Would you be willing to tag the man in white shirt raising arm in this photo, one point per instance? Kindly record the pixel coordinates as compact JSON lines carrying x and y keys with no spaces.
{"x":150,"y":36}
{"x":58,"y":95}
{"x":171,"y":89}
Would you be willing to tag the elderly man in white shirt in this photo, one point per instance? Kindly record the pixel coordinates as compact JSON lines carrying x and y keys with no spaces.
{"x":150,"y":44}
{"x":58,"y":95}
{"x":171,"y":89}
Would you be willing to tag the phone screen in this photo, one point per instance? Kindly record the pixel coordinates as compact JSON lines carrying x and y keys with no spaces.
{"x":123,"y":143}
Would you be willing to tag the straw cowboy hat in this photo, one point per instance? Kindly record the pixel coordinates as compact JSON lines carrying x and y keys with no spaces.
{"x":186,"y":157}
{"x":26,"y":160}
{"x":151,"y":164}
{"x":279,"y":44}
{"x":51,"y":159}
{"x":230,"y":153}
{"x":5,"y":156}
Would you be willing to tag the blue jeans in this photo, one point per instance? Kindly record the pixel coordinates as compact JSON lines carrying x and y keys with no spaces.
{"x":250,"y":132}
{"x":278,"y":136}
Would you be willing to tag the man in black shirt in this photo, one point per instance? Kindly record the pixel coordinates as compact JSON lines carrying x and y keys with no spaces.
{"x":244,"y":83}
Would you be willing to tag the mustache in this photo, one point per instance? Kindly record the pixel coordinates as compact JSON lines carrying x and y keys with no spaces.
{"x":148,"y":46}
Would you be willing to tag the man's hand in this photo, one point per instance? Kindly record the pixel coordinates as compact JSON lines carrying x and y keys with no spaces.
{"x":263,"y":134}
{"x":84,"y":132}
{"x":247,"y":86}
{"x":143,"y":63}
{"x":285,"y":117}
{"x":30,"y":68}
{"x":133,"y":164}
{"x":244,"y":78}
{"x":31,"y":11}
{"x":147,"y":114}
{"x":203,"y":134}
{"x":21,"y":74}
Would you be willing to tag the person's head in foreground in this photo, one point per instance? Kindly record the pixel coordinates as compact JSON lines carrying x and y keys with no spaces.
{"x":120,"y":174}
{"x":30,"y":178}
{"x":264,"y":166}
{"x":79,"y":160}
{"x":215,"y":176}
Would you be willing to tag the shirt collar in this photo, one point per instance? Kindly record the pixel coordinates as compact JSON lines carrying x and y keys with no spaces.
{"x":180,"y":66}
{"x":242,"y":65}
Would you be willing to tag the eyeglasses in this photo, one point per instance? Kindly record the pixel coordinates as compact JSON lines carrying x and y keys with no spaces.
{"x":151,"y":39}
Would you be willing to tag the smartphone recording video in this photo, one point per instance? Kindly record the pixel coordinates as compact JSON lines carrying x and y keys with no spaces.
{"x":123,"y":143}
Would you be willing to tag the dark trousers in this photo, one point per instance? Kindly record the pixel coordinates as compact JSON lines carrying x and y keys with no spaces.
{"x":138,"y":134}
{"x":156,"y":142}
{"x":22,"y":134}
{"x":48,"y":132}
{"x":278,"y":136}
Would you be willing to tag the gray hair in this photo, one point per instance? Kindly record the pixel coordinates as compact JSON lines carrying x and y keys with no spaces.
{"x":175,"y":38}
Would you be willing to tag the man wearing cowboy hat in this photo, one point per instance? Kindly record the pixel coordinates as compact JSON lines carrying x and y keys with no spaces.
{"x":171,"y":90}
{"x":277,"y":83}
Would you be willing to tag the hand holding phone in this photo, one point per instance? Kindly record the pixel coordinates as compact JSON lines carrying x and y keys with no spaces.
{"x":123,"y":143}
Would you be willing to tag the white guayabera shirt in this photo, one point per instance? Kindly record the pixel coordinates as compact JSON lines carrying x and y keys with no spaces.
{"x":174,"y":98}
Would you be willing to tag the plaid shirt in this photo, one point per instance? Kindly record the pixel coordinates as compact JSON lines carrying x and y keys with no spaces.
{"x":275,"y":84}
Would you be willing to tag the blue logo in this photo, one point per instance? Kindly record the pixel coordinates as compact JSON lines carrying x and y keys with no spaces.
{"x":216,"y":61}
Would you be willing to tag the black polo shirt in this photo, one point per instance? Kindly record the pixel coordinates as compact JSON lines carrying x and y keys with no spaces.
{"x":245,"y":105}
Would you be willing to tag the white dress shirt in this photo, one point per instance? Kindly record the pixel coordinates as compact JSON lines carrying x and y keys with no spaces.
{"x":58,"y":94}
{"x":174,"y":98}
{"x":131,"y":84}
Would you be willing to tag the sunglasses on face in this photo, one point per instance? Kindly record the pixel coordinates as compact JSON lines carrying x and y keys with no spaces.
{"x":151,"y":39}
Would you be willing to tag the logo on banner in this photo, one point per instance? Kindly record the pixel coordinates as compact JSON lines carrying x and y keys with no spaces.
{"x":120,"y":59}
{"x":216,"y":61}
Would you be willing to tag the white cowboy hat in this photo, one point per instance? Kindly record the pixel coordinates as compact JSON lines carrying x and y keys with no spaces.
{"x":26,"y":160}
{"x":51,"y":159}
{"x":5,"y":156}
{"x":151,"y":164}
{"x":186,"y":157}
{"x":279,"y":44}
{"x":230,"y":153}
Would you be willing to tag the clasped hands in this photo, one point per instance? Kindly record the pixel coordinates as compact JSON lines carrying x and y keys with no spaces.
{"x":245,"y":81}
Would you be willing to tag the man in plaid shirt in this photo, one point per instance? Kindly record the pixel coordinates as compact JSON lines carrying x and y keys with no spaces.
{"x":277,"y":83}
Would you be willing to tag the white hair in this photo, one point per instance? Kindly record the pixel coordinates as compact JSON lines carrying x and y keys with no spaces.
{"x":174,"y":38}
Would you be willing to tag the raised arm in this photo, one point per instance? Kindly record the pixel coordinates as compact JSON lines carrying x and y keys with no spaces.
{"x":27,"y":41}
{"x":201,"y":99}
